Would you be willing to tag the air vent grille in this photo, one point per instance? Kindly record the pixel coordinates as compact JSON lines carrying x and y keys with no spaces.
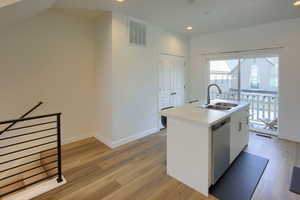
{"x":137,"y":33}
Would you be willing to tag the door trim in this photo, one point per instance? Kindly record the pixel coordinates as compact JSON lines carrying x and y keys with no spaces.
{"x":157,"y":82}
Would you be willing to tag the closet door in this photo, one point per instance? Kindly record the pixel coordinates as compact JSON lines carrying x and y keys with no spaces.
{"x":179,"y":81}
{"x":171,"y":81}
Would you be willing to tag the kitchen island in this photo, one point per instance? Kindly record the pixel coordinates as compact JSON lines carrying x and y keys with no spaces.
{"x":191,"y":156}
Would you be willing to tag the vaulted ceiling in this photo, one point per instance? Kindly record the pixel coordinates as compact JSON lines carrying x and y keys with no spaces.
{"x":13,"y":11}
{"x":205,"y":16}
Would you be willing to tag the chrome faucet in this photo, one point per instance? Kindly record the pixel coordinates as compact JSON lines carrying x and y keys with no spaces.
{"x":208,"y":91}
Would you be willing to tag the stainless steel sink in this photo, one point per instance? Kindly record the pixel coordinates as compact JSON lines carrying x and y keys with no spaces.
{"x":229,"y":105}
{"x":217,"y":107}
{"x":220,"y":106}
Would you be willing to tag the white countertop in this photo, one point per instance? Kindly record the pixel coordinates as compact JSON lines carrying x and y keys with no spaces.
{"x":206,"y":117}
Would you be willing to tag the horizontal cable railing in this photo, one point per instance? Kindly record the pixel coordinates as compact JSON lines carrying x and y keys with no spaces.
{"x":30,"y":153}
{"x":26,"y":177}
{"x":7,"y":177}
{"x":29,"y":133}
{"x":33,"y":161}
{"x":14,"y":121}
{"x":12,"y":129}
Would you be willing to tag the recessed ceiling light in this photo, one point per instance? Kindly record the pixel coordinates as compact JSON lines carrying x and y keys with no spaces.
{"x":120,"y":1}
{"x":297,"y":3}
{"x":189,"y":28}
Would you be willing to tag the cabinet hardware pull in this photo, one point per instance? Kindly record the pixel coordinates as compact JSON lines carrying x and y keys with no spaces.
{"x":240,"y":126}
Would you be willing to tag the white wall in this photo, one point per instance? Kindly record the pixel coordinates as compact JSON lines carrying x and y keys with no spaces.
{"x":50,"y":58}
{"x":88,"y":71}
{"x":103,"y":77}
{"x":285,"y":34}
{"x":134,"y":79}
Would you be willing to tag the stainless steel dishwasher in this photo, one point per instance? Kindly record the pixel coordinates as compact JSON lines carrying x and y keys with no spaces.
{"x":220,"y":149}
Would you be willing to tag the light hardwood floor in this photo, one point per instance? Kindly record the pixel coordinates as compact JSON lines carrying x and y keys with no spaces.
{"x":137,"y":171}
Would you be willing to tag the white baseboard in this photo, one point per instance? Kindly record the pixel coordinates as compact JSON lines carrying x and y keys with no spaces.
{"x":115,"y":144}
{"x":134,"y":137}
{"x":104,"y":140}
{"x":35,"y":190}
{"x":76,"y":138}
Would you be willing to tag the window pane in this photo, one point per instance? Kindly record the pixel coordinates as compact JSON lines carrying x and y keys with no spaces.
{"x":225,"y":74}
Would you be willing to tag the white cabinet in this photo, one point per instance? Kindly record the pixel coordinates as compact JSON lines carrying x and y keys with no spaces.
{"x":239,"y":132}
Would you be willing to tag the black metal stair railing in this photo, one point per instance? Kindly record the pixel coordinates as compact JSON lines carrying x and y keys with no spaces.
{"x":20,"y":147}
{"x":27,"y":113}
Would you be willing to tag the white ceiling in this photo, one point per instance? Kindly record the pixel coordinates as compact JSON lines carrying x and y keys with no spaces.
{"x":8,"y":2}
{"x":13,"y":11}
{"x":206,"y":16}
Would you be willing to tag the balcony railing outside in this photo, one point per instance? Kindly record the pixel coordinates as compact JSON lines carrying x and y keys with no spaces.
{"x":237,"y":84}
{"x":263,"y":105}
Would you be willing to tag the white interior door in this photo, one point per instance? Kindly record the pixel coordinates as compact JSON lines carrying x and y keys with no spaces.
{"x":171,"y":81}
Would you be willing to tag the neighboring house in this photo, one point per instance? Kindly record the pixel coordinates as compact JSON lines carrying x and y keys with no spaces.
{"x":258,"y":74}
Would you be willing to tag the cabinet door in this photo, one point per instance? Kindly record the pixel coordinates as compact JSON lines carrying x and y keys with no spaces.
{"x":237,"y":136}
{"x":245,"y":125}
{"x":239,"y":133}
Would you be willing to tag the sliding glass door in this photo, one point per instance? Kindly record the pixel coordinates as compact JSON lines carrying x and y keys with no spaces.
{"x":250,"y":79}
{"x":225,"y":73}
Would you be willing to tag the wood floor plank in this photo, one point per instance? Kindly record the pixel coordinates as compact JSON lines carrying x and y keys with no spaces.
{"x":164,"y":191}
{"x":127,"y":191}
{"x":137,"y":171}
{"x":180,"y":192}
{"x":97,"y":190}
{"x":130,"y":154}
